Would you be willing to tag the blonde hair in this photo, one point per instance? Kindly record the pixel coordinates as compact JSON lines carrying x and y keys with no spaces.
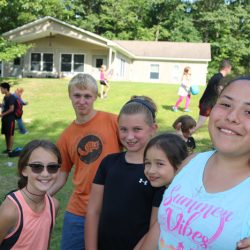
{"x":138,"y":105}
{"x":83,"y":81}
{"x":19,"y":91}
{"x":103,"y":67}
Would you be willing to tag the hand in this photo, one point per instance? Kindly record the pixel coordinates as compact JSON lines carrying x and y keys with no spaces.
{"x":244,"y":244}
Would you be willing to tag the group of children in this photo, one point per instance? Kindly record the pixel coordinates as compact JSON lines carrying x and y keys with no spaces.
{"x":153,"y":195}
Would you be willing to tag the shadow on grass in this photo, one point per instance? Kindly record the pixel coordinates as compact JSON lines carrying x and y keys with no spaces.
{"x":40,"y":129}
{"x":11,"y":81}
{"x":170,"y":108}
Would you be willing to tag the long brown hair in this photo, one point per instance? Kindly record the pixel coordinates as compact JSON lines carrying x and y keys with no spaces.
{"x":26,"y":153}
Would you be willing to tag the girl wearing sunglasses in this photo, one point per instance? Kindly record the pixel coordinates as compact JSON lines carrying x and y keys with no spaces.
{"x":27,"y":216}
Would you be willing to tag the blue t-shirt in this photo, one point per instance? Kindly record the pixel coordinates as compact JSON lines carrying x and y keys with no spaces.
{"x":191,"y":218}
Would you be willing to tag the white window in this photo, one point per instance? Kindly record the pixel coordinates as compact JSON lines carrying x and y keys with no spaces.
{"x":41,"y":62}
{"x":122,"y":67}
{"x":72,"y":63}
{"x":154,"y":71}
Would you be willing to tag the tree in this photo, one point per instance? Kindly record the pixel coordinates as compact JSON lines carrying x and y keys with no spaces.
{"x":10,"y":50}
{"x":226,"y":27}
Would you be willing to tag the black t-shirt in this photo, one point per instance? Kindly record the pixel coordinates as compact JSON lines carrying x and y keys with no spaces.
{"x":7,"y":102}
{"x":191,"y":145}
{"x":211,"y":92}
{"x":127,"y":203}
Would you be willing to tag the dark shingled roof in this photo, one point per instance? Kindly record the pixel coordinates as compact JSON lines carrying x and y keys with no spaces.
{"x":173,"y":50}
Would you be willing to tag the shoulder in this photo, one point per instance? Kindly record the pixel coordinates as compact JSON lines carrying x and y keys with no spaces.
{"x":195,"y":157}
{"x":111,"y":161}
{"x":107,"y":115}
{"x":8,"y":214}
{"x":113,"y":157}
{"x":10,"y":98}
{"x":215,"y":78}
{"x":65,"y":132}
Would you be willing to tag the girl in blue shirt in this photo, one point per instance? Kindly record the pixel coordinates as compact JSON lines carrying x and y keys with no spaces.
{"x":207,"y":206}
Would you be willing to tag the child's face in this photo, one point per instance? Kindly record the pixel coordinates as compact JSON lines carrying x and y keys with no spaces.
{"x":40,"y":183}
{"x":188,"y":133}
{"x":158,"y":169}
{"x":134,"y":132}
{"x":229,"y":123}
{"x":82,"y":100}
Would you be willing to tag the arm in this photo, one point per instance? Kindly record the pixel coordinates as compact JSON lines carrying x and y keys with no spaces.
{"x":153,"y":219}
{"x":92,"y":218}
{"x":8,"y":218}
{"x":10,"y":110}
{"x":56,"y":204}
{"x":60,"y":182}
{"x":151,"y":239}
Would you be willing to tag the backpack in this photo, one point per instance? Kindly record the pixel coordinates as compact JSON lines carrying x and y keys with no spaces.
{"x":18,"y":111}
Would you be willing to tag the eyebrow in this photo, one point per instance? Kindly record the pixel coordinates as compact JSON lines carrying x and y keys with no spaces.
{"x":231,"y":99}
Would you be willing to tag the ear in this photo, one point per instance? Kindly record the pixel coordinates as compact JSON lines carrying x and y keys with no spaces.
{"x":178,"y":126}
{"x":154,"y":128}
{"x":25,"y":172}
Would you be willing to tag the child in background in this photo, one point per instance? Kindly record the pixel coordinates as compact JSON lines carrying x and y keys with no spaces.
{"x":104,"y":81}
{"x":162,"y":157}
{"x":207,"y":204}
{"x":122,"y":203}
{"x":18,"y":95}
{"x":27,"y":216}
{"x":184,"y":125}
{"x":184,"y":90}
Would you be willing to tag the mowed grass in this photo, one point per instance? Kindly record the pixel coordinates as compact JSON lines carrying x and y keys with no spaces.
{"x":49,"y":111}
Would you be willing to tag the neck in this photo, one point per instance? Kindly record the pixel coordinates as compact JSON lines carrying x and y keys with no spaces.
{"x":223,"y":72}
{"x":33,"y":198}
{"x":33,"y":193}
{"x":134,"y":157}
{"x":85,"y":118}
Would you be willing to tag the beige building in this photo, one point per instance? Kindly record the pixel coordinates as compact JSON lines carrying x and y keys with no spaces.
{"x":63,"y":50}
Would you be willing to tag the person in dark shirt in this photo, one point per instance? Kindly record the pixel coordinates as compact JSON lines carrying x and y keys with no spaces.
{"x":123,"y":205}
{"x":211,"y":93}
{"x":8,"y":116}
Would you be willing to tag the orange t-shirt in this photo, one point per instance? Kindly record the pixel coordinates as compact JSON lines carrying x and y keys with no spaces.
{"x":84,"y":146}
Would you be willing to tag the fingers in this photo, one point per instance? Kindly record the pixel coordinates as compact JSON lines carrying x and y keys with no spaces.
{"x":244,"y":244}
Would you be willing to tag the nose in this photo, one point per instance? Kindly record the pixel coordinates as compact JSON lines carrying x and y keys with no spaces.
{"x":233,"y":116}
{"x":130,"y":135}
{"x":151,"y":169}
{"x":82,"y":100}
{"x":45,"y":172}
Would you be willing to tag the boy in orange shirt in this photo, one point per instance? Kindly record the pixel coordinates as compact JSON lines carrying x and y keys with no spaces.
{"x":83,"y":144}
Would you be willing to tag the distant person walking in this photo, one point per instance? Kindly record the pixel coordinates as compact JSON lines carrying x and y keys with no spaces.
{"x":18,"y":95}
{"x":211,"y":92}
{"x":184,"y":90}
{"x":105,"y":86}
{"x":8,"y":116}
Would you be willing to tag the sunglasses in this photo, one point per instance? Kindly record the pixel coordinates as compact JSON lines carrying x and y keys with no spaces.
{"x":38,"y":168}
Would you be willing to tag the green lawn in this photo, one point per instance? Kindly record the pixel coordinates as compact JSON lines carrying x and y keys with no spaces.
{"x":49,"y":111}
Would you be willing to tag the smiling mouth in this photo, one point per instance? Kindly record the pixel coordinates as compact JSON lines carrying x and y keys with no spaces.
{"x":44,"y":181}
{"x":228,"y":131}
{"x":131,"y":143}
{"x":152,"y":178}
